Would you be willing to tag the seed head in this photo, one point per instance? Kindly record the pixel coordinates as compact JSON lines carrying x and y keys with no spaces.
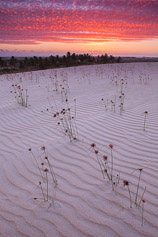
{"x":105,"y":157}
{"x":43,"y":148}
{"x":111,"y":146}
{"x":92,"y":145}
{"x":125,"y":183}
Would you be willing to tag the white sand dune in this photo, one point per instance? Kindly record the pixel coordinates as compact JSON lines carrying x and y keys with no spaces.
{"x":83,"y":204}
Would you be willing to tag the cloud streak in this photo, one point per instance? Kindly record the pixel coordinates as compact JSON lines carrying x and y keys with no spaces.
{"x":84,"y":21}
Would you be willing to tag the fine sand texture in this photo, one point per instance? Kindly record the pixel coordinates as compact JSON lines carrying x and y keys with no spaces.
{"x":79,"y":152}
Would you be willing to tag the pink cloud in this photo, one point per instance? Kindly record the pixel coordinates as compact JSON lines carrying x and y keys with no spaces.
{"x":29,"y":22}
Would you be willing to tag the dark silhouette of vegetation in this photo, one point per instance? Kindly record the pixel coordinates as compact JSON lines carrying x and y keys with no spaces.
{"x":12,"y":61}
{"x":13,"y":64}
{"x":40,"y":63}
{"x":9,"y":65}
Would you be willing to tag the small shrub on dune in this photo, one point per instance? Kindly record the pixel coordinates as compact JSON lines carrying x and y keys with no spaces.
{"x":20,"y":94}
{"x":66,"y":120}
{"x":104,"y":164}
{"x":47,"y":174}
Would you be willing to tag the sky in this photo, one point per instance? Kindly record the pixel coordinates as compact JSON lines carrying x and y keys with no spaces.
{"x":51,"y":27}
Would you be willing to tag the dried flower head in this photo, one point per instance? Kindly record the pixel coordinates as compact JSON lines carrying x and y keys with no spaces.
{"x":96,"y":152}
{"x":45,"y":170}
{"x":29,"y":149}
{"x":111,"y":146}
{"x":125,"y":183}
{"x":105,"y":158}
{"x":92,"y":145}
{"x":146,"y":112}
{"x":43,"y":148}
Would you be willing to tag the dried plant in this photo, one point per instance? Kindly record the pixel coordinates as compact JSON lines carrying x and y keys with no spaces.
{"x":96,"y":152}
{"x":20,"y":94}
{"x":126,"y":183}
{"x":46,"y":171}
{"x":112,"y":161}
{"x":145,"y":116}
{"x":104,"y":164}
{"x":136,"y":196}
{"x":143,"y":202}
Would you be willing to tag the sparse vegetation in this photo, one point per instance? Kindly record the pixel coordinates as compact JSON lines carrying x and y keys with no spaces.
{"x":46,"y":173}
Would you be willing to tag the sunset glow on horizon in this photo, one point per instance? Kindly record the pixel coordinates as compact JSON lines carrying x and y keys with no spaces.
{"x":42,"y":28}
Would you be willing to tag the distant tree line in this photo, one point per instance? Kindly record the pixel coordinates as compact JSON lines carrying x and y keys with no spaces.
{"x":41,"y":63}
